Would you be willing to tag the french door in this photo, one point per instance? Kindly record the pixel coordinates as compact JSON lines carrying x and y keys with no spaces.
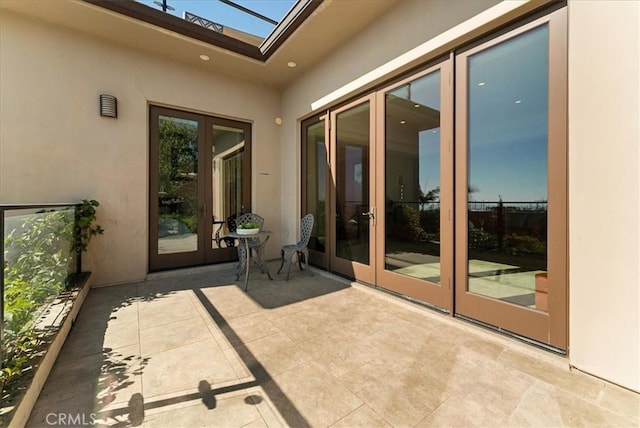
{"x":460,"y":205}
{"x":511,"y":181}
{"x":353,"y":207}
{"x":199,"y":170}
{"x":392,"y":193}
{"x":414,"y":255}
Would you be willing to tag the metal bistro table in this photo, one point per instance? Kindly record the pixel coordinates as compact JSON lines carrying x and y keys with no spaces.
{"x":248,"y":242}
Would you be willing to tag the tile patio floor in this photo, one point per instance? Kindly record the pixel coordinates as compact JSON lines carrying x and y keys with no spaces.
{"x":195,"y":350}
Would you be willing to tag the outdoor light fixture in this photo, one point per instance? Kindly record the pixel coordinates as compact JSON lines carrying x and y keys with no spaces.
{"x":108,"y":105}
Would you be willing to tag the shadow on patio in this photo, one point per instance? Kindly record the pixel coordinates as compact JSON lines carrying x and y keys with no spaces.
{"x":196,"y":350}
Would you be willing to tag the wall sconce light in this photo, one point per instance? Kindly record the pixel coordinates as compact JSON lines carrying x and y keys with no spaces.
{"x":108,"y":105}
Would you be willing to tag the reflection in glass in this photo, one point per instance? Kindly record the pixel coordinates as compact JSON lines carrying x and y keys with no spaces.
{"x":412,"y":182}
{"x":507,"y":208}
{"x":227,"y":193}
{"x":316,"y":169}
{"x":177,"y":185}
{"x":352,"y":184}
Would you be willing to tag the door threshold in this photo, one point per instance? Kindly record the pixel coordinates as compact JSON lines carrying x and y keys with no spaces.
{"x":413,"y":300}
{"x":513,"y":335}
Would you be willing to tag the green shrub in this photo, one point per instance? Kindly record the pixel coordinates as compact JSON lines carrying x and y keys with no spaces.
{"x":524,"y":245}
{"x":481,"y":240}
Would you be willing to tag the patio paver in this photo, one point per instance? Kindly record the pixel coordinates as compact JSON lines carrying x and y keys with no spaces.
{"x":194,"y":349}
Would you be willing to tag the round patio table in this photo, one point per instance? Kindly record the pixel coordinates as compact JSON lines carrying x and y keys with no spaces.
{"x":256,"y":241}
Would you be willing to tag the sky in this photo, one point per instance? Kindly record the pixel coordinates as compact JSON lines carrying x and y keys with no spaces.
{"x":221,"y":13}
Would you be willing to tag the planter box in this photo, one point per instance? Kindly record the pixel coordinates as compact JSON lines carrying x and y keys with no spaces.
{"x":65,"y":309}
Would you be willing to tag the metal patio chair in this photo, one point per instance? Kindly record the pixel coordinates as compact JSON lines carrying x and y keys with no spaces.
{"x":299,"y":248}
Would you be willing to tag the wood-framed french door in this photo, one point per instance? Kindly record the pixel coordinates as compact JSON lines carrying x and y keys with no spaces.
{"x":352,"y":234}
{"x":199,"y":174}
{"x":511,"y":181}
{"x":414,"y":170}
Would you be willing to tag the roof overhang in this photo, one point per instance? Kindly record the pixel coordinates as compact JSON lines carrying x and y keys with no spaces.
{"x":301,"y":37}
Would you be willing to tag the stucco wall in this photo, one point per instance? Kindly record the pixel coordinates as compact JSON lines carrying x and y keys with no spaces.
{"x":604,"y":189}
{"x":604,"y":173}
{"x":54,"y":146}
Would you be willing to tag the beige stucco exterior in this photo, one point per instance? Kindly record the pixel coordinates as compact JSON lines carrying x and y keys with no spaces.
{"x":604,"y":189}
{"x":54,"y":146}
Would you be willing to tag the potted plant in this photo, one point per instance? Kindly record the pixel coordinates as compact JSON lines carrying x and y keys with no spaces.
{"x":248,"y":228}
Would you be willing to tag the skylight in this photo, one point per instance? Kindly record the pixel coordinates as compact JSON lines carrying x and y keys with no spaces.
{"x":248,"y":20}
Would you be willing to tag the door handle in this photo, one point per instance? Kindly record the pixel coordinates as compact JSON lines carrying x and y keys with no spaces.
{"x":371,"y":214}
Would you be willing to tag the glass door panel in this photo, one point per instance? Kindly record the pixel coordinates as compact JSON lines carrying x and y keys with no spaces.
{"x":176,"y":226}
{"x":353,"y":207}
{"x":314,"y":186}
{"x":417,"y":187}
{"x":177,"y":185}
{"x":504,"y":169}
{"x":412,"y":183}
{"x":507,"y":131}
{"x":227,"y":190}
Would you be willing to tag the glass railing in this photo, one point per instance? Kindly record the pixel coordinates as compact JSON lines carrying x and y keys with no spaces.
{"x":39,"y":262}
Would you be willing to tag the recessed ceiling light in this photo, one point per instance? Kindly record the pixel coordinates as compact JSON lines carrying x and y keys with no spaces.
{"x":291,"y":64}
{"x":416,"y":105}
{"x":204,"y":57}
{"x":481,"y":84}
{"x":402,"y":122}
{"x":518,"y":101}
